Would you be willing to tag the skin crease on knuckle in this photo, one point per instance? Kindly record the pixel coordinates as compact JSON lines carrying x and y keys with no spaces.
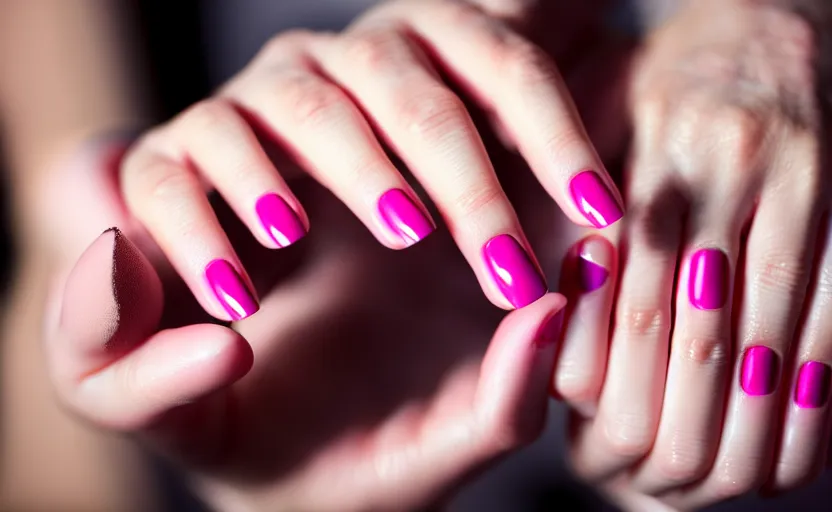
{"x":685,"y":458}
{"x":434,"y":115}
{"x":374,"y":50}
{"x":312,"y":100}
{"x":628,"y":435}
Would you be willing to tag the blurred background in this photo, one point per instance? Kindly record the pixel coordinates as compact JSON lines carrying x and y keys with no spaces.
{"x":187,"y":48}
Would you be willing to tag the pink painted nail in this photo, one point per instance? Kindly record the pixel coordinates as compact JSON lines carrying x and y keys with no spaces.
{"x":760,"y":371}
{"x":515,"y":274}
{"x":708,"y":279}
{"x":813,"y":382}
{"x":550,"y":330}
{"x":403,"y":217}
{"x":591,"y":275}
{"x":231,"y":290}
{"x":594,"y":199}
{"x":281,"y":222}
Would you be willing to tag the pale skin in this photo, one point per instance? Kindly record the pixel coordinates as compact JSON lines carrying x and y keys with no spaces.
{"x":457,"y":402}
{"x":727,"y":153}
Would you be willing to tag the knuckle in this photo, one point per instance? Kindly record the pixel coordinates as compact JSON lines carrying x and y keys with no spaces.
{"x":160,"y":182}
{"x":284,"y":42}
{"x":434,"y":114}
{"x":462,"y":14}
{"x":790,"y":473}
{"x":310,"y":99}
{"x":209,"y":115}
{"x":783,"y":274}
{"x":629,"y":435}
{"x":372,"y":49}
{"x":564,"y":142}
{"x":705,"y":351}
{"x":576,"y":388}
{"x":528,"y":65}
{"x":477,"y":199}
{"x":741,"y":133}
{"x":685,"y":460}
{"x":732,"y":480}
{"x":577,"y":385}
{"x":652,"y":108}
{"x":643,"y":321}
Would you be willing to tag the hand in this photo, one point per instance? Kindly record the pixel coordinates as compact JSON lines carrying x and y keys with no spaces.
{"x":726,"y":184}
{"x":323,"y":99}
{"x":334,"y":412}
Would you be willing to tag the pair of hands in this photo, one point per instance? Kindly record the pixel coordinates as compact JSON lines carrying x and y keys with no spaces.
{"x":361,"y":390}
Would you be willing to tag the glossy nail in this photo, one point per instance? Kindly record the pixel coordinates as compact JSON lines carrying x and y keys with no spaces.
{"x":595,"y":200}
{"x":813,"y":384}
{"x":550,"y":329}
{"x":230,"y":290}
{"x":590,"y":275}
{"x":708,"y":279}
{"x":511,"y":268}
{"x":760,"y":371}
{"x":403,"y":217}
{"x":281,"y":222}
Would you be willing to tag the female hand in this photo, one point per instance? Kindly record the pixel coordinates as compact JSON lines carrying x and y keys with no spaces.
{"x":330,"y":101}
{"x":711,"y":389}
{"x":361,"y":385}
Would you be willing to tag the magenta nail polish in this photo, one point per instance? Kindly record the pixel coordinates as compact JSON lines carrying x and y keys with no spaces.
{"x":231,"y":290}
{"x":281,"y":222}
{"x":550,"y":329}
{"x":813,"y":383}
{"x":708,"y":279}
{"x":515,"y":274}
{"x":594,"y":199}
{"x":760,"y":371}
{"x":590,"y":275}
{"x":403,"y":217}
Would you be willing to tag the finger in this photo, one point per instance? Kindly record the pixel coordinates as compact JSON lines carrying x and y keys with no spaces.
{"x":511,"y":397}
{"x":430,"y":128}
{"x":779,"y":251}
{"x":630,"y":406}
{"x":588,"y":279}
{"x":169,"y":201}
{"x":307,"y":112}
{"x":216,"y":139}
{"x":105,"y":361}
{"x":479,"y":414}
{"x":805,"y":438}
{"x":697,"y":374}
{"x":516,"y":80}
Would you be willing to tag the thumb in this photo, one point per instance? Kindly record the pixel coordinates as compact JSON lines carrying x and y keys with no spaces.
{"x":105,"y":357}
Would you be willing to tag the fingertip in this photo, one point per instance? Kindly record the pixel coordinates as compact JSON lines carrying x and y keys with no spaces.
{"x":596,"y":198}
{"x":588,"y":265}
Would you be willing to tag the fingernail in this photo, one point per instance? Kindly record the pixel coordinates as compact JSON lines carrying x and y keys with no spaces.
{"x":511,"y":268}
{"x":590,"y":275}
{"x":595,"y":200}
{"x":812,"y":389}
{"x":231,"y":290}
{"x":281,"y":222}
{"x":708,"y":279}
{"x":403,"y":217}
{"x":760,"y":368}
{"x":550,"y":329}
